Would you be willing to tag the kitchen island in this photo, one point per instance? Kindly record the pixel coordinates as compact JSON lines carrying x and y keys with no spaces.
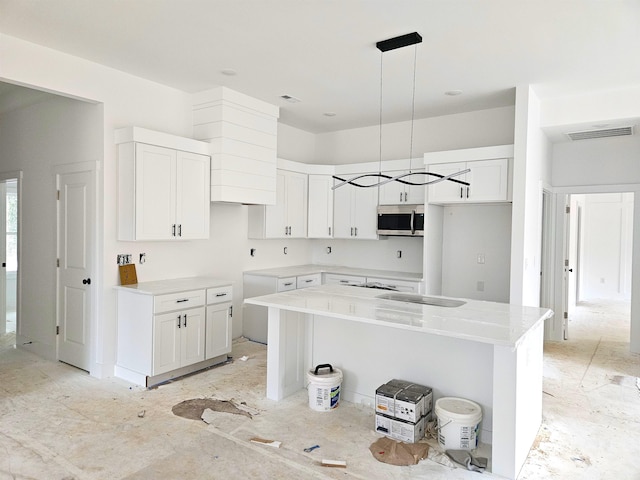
{"x":484,"y":351}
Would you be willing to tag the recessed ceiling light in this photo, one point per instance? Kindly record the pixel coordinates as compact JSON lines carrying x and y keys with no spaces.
{"x":453,"y":93}
{"x":290,"y":98}
{"x":228,"y":71}
{"x":329,"y":114}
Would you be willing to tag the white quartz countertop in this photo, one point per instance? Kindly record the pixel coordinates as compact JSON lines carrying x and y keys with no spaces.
{"x":296,"y":270}
{"x":174,"y":285}
{"x":478,"y":321}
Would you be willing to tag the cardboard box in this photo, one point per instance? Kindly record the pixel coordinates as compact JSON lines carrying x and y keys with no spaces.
{"x":404,"y":431}
{"x":404,"y":400}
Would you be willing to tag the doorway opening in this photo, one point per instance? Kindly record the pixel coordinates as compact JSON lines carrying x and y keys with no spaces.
{"x":9,"y":247}
{"x":600,"y":243}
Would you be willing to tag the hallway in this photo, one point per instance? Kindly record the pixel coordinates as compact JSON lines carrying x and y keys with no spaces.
{"x":58,"y":423}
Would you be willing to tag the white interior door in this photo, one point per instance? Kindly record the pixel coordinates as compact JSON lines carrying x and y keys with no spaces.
{"x":3,"y":257}
{"x":75,"y":244}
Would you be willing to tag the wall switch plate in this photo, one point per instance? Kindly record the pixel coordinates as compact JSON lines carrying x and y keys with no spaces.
{"x":143,"y":258}
{"x":481,"y":258}
{"x":252,"y":252}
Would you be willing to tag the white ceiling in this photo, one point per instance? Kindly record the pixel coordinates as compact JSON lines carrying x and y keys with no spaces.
{"x":323,"y":51}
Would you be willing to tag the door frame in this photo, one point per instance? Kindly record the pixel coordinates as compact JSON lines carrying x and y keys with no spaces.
{"x":559,"y":298}
{"x":94,"y":169}
{"x":17,"y":176}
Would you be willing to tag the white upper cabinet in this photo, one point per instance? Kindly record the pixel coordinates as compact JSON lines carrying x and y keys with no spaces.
{"x":355,"y":212}
{"x":163,"y":193}
{"x":489,"y":176}
{"x":395,"y":192}
{"x":288,"y":217}
{"x":320,"y":209}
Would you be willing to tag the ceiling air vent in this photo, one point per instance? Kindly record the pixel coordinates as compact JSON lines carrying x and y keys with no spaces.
{"x":601,"y":133}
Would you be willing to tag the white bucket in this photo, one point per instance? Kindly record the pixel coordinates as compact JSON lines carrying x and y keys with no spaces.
{"x":458,"y":423}
{"x":324,"y":388}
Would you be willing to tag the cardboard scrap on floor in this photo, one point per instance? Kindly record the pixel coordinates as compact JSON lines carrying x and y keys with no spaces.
{"x":193,"y":409}
{"x":264,"y":441}
{"x":387,"y":450}
{"x":333,"y":463}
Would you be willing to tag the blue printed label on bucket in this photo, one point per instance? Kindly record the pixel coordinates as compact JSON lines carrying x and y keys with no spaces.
{"x":335,"y":396}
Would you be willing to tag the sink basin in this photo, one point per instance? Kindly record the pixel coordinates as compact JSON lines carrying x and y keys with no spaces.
{"x":421,"y":299}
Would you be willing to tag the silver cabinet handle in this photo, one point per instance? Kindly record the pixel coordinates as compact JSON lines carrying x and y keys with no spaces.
{"x":221,"y":294}
{"x":288,"y":284}
{"x":185,"y":320}
{"x":461,"y":189}
{"x":352,"y":231}
{"x":182,"y":300}
{"x":400,"y":196}
{"x":405,"y":196}
{"x":173,"y":230}
{"x":356,"y":230}
{"x":286,"y":230}
{"x":180,"y":230}
{"x":467,"y":192}
{"x":329,"y":231}
{"x":179,"y":320}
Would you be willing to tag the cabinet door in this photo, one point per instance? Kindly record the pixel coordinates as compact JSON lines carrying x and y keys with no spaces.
{"x":155,"y":192}
{"x":365,"y":213}
{"x":447,"y":192}
{"x":342,"y":209}
{"x":392,"y":193}
{"x":166,"y":342}
{"x":296,"y":204}
{"x":415,"y":194}
{"x":320,"y":219}
{"x":488,"y":179}
{"x":192,"y":196}
{"x":276,"y":215}
{"x":192,"y":336}
{"x":218,"y":330}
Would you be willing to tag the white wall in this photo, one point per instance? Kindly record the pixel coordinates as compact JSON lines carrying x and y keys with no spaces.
{"x":532,"y":160}
{"x":466,"y":130}
{"x":602,"y":166}
{"x":603,"y":161}
{"x":34,"y":139}
{"x":296,"y":144}
{"x":376,"y":254}
{"x":470,"y":231}
{"x":605,"y":246}
{"x":122,"y":100}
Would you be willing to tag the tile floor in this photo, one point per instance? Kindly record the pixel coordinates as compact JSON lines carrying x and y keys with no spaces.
{"x":59,"y":423}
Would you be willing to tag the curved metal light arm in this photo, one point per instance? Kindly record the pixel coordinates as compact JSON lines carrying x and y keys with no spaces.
{"x":400,"y":179}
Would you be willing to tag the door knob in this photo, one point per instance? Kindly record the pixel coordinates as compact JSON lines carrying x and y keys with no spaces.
{"x":86,"y":281}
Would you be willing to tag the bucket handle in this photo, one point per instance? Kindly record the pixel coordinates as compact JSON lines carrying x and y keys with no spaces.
{"x":324,"y":365}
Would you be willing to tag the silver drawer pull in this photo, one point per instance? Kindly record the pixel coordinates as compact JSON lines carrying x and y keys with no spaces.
{"x":221,"y":294}
{"x":182,"y":300}
{"x":288,"y":284}
{"x":308,"y":281}
{"x":344,"y":281}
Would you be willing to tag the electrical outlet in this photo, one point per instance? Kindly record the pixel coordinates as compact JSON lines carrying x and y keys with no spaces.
{"x":143,"y":258}
{"x":481,"y":258}
{"x":124,"y":258}
{"x":399,"y":253}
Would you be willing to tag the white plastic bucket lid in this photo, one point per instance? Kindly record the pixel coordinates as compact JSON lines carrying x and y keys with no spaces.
{"x":458,"y":409}
{"x":324,"y":375}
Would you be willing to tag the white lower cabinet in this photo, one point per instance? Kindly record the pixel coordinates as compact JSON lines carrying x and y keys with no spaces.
{"x":254,"y":317}
{"x":178,"y":339}
{"x":218,"y":322}
{"x":341,"y":279}
{"x":163,"y":334}
{"x":405,"y":286}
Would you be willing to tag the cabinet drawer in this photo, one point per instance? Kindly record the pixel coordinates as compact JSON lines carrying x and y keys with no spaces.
{"x":178,"y":301}
{"x":308,"y":280}
{"x":219,"y":294}
{"x":285,"y":284}
{"x":336,"y":279}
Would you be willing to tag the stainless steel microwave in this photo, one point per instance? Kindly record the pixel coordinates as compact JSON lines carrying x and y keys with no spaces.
{"x":403,"y":220}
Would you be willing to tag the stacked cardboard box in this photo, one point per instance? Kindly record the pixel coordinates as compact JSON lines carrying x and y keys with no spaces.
{"x":402,"y":410}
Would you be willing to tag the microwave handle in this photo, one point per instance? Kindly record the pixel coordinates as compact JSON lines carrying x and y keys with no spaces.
{"x":413,"y":218}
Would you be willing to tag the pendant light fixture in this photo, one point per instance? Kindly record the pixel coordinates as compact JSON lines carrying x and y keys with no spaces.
{"x":405,"y":178}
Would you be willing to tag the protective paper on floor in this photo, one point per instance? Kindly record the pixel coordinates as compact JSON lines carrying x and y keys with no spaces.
{"x":193,"y":409}
{"x":387,"y":450}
